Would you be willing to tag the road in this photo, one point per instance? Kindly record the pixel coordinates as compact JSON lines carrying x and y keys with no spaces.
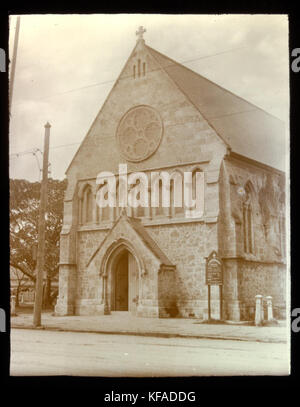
{"x":40,"y":352}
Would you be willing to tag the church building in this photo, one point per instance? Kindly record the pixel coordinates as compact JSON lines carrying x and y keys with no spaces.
{"x":152,"y":261}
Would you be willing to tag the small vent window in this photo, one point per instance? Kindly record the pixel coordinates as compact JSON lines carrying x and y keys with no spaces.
{"x":139,"y":69}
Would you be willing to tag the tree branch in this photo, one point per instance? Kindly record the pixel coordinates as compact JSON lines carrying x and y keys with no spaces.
{"x":24,"y":269}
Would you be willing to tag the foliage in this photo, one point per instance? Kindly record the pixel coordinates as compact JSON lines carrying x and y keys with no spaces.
{"x":24,"y":217}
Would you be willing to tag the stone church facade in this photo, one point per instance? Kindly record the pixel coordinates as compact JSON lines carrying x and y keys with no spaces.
{"x":151,"y":262}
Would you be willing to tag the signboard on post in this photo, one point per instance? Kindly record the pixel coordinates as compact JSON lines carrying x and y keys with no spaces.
{"x":214,"y":272}
{"x":214,"y":276}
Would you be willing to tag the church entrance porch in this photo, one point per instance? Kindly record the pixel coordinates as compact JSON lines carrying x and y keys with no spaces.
{"x":127,"y":273}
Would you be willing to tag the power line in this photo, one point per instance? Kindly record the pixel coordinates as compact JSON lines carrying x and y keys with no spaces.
{"x":51,"y":148}
{"x":65,"y":145}
{"x":126,"y":77}
{"x":34,"y":152}
{"x":113,"y":80}
{"x":79,"y":142}
{"x":31,"y":151}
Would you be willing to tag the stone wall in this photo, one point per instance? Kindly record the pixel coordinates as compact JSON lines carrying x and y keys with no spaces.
{"x":88,"y":282}
{"x":263,"y":269}
{"x":187,"y":245}
{"x":264,"y":279}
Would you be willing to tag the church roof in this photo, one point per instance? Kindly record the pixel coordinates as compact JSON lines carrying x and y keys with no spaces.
{"x":245,"y":128}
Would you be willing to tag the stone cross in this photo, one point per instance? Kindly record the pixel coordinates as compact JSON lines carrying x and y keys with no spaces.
{"x":140,"y":32}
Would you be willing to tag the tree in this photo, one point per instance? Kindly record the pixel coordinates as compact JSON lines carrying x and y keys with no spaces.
{"x":20,"y":281}
{"x":24,"y":215}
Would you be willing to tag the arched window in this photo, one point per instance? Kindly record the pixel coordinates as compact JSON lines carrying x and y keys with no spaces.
{"x":139,"y":67}
{"x":176,"y":194}
{"x":89,"y":205}
{"x":159,"y":209}
{"x":134,"y":68}
{"x":144,"y":68}
{"x":105,"y":210}
{"x":139,"y":212}
{"x":86,"y":203}
{"x":194,"y":193}
{"x":117,"y":208}
{"x":194,"y":183}
{"x":248,"y":221}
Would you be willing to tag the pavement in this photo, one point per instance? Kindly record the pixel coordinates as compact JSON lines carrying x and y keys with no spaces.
{"x":123,"y":323}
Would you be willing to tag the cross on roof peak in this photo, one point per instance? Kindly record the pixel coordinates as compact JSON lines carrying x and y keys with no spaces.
{"x":140,"y":32}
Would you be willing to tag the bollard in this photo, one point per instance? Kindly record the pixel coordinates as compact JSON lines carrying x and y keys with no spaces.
{"x":258,"y":310}
{"x":269,"y":308}
{"x":13,"y":305}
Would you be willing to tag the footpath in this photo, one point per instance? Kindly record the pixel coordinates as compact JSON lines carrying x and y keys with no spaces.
{"x":122,"y":323}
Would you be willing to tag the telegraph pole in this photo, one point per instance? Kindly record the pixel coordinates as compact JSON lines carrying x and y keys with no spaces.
{"x":40,"y":264}
{"x":13,"y":63}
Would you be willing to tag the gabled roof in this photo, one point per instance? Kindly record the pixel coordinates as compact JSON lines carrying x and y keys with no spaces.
{"x":147,"y":239}
{"x":247,"y":129}
{"x":140,"y":230}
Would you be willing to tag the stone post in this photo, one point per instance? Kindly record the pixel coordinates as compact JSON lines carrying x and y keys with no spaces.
{"x":258,"y":310}
{"x":13,"y":305}
{"x":269,"y":308}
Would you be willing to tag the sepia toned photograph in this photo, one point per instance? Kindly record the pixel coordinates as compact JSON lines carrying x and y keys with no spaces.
{"x":149,"y":196}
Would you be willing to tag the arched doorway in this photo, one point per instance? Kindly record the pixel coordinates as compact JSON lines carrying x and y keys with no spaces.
{"x":124,"y":281}
{"x":120,"y":284}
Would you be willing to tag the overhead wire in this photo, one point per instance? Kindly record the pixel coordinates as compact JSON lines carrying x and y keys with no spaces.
{"x":113,"y":80}
{"x":128,"y":76}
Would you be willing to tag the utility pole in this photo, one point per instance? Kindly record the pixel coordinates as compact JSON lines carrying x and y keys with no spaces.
{"x":40,"y":264}
{"x":13,"y":63}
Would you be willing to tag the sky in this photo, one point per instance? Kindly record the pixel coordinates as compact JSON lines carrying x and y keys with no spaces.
{"x":67,"y":64}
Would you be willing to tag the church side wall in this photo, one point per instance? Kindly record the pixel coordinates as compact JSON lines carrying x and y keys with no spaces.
{"x":258,"y":265}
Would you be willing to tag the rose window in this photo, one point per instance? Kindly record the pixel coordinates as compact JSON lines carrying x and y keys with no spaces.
{"x":139,"y":133}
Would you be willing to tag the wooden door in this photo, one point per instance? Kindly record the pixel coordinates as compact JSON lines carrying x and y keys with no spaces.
{"x":121,"y":284}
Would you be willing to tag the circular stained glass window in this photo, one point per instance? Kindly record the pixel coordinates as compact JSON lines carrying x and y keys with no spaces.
{"x":139,"y":133}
